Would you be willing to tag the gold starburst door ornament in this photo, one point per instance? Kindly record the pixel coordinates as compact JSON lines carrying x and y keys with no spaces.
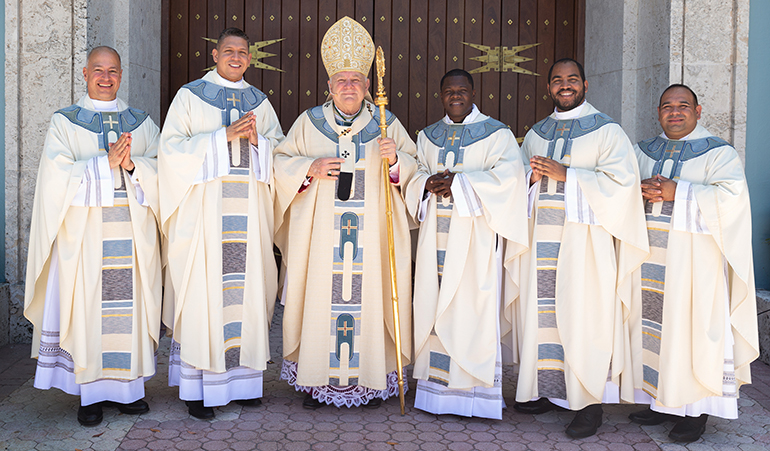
{"x":501,"y":59}
{"x":256,"y":54}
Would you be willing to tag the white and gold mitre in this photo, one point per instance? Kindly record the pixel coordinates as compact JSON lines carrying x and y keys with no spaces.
{"x":347,"y":46}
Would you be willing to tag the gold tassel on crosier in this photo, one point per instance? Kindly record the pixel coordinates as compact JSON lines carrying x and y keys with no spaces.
{"x":381,"y":101}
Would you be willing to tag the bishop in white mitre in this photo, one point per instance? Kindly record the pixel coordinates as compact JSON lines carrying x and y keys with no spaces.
{"x":215,"y":167}
{"x":93,"y":288}
{"x":338,"y":333}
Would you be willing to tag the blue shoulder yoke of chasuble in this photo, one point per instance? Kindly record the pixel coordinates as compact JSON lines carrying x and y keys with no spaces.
{"x":244,"y":100}
{"x":552,"y":130}
{"x":661,"y":149}
{"x":128,"y":120}
{"x":441,"y":132}
{"x":438,"y":133}
{"x":370,"y":132}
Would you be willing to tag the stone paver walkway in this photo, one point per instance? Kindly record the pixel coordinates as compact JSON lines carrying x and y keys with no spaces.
{"x":46,"y":420}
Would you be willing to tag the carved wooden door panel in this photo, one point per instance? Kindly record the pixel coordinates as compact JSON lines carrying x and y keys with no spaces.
{"x":421,"y":40}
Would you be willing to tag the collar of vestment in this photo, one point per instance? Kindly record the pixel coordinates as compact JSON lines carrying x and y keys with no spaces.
{"x":364,"y":128}
{"x":104,"y":105}
{"x":210,"y":91}
{"x":471,"y":117}
{"x":346,"y":120}
{"x":222,"y":81}
{"x":697,"y":143}
{"x":571,"y":114}
{"x":588,"y":121}
{"x":462,"y":135}
{"x":83,"y":114}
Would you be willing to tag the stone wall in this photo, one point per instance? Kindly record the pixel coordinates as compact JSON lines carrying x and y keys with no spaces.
{"x":46,"y":46}
{"x":709,"y":53}
{"x":133,"y":29}
{"x":627,"y":61}
{"x":636,"y":48}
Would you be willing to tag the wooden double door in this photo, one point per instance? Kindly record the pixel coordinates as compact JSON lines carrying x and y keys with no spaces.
{"x":422,"y":40}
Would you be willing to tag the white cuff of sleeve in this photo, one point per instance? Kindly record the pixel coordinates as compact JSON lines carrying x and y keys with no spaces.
{"x":262,"y":159}
{"x":577,"y":208}
{"x":425,"y":200}
{"x":138,"y":188}
{"x":216,"y":162}
{"x":96,"y":187}
{"x":466,"y":201}
{"x":531,"y":193}
{"x":686,"y":215}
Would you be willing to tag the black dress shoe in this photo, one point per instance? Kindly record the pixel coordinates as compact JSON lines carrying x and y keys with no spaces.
{"x":541,"y":405}
{"x":689,"y":429}
{"x":650,"y":417}
{"x":373,"y":403}
{"x":586,"y":422}
{"x":134,"y":408}
{"x":198,"y":410}
{"x":311,"y":403}
{"x":254,"y":402}
{"x":90,"y":415}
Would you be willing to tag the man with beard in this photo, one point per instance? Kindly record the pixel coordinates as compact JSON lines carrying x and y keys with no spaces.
{"x":696,"y":332}
{"x":94,"y":270}
{"x":469,"y":194}
{"x":338,"y":338}
{"x":587,"y":238}
{"x":215,"y":168}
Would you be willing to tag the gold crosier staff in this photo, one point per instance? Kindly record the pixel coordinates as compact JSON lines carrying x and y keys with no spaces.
{"x":381,"y":101}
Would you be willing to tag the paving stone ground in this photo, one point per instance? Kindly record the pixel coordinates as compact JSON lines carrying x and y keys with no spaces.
{"x":46,"y":420}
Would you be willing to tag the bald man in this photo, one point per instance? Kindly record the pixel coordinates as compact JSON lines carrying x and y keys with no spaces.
{"x":93,"y":287}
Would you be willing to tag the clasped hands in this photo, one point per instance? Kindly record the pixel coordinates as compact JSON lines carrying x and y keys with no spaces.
{"x":658,"y":189}
{"x":120,"y":153}
{"x":329,"y":167}
{"x":245,"y":127}
{"x":440,"y":184}
{"x":545,"y":166}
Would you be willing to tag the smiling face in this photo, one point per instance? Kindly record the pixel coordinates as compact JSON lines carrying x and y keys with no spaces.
{"x":677,"y":113}
{"x":103,"y":74}
{"x":348,"y":89}
{"x":232,"y":57}
{"x":566,"y":87}
{"x":457,"y":96}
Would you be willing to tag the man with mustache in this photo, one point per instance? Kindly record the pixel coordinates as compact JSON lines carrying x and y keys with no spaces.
{"x":696,"y":332}
{"x":587,"y":238}
{"x":93,"y":288}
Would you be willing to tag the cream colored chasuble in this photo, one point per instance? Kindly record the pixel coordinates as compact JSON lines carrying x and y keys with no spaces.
{"x":576,"y":280}
{"x":696,"y":331}
{"x":459,"y":262}
{"x":217,"y":219}
{"x":338,"y":326}
{"x":105,"y":235}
